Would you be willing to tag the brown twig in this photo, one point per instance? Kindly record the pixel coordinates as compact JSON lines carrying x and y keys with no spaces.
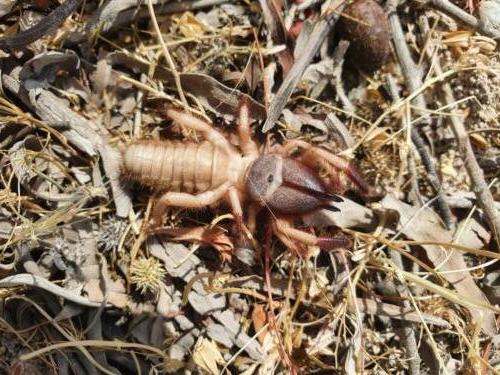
{"x":413,"y":76}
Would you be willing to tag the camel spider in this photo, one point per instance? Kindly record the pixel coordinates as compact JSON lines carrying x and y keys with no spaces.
{"x":196,"y":175}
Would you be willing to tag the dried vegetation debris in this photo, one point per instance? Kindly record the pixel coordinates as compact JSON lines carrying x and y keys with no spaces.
{"x":82,"y":277}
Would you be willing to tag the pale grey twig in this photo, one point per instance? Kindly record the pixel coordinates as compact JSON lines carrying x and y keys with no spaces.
{"x":413,"y":76}
{"x":406,"y":330}
{"x":26,"y":279}
{"x":338,"y":62}
{"x":480,"y":187}
{"x":321,"y":30}
{"x":465,"y":17}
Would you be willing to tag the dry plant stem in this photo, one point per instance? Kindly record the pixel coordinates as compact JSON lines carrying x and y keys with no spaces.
{"x":168,"y":57}
{"x":476,"y":175}
{"x":338,"y":62}
{"x":463,"y":16}
{"x":287,"y":361}
{"x":321,"y":30}
{"x":406,"y":329}
{"x":118,"y":345}
{"x":414,"y":196}
{"x":25,"y":279}
{"x":413,"y":77}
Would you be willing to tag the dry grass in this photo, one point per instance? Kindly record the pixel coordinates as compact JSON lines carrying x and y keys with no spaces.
{"x":149,"y":300}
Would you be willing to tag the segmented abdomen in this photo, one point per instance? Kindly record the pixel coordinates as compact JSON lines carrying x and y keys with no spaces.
{"x":176,"y":166}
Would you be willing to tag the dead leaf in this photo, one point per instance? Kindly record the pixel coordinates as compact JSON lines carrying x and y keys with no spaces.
{"x":208,"y":235}
{"x":45,"y":68}
{"x":211,"y":93}
{"x":423,"y":224}
{"x":279,"y":34}
{"x":259,"y":320}
{"x":189,"y":25}
{"x":207,"y":356}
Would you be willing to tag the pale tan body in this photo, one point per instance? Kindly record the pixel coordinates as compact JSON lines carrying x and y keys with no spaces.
{"x":183,"y":166}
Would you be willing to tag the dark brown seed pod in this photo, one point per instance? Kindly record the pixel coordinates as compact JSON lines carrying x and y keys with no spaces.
{"x":365,"y":25}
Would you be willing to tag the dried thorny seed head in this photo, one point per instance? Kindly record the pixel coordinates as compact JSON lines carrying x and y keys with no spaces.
{"x":365,"y":25}
{"x":147,"y":274}
{"x":109,"y":236}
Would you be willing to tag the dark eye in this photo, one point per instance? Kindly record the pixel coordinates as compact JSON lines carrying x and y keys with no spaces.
{"x":270,"y":178}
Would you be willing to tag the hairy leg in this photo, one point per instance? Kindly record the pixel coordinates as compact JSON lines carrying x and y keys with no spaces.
{"x":247,"y":145}
{"x":209,"y":133}
{"x":235,"y":202}
{"x":176,"y":199}
{"x":252,"y":210}
{"x":284,"y":230}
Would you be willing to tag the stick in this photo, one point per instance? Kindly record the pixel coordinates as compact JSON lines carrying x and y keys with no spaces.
{"x":338,"y":62}
{"x":321,"y":30}
{"x":465,"y":17}
{"x":168,"y":57}
{"x":480,"y":187}
{"x":413,"y":77}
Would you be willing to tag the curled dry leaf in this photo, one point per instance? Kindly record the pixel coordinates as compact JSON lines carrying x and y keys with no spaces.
{"x":189,"y":25}
{"x":259,"y":320}
{"x":45,"y":68}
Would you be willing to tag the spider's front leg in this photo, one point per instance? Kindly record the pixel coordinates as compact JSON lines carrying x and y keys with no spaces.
{"x":315,"y":156}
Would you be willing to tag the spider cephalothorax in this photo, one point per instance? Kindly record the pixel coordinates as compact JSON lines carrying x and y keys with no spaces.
{"x":286,"y":186}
